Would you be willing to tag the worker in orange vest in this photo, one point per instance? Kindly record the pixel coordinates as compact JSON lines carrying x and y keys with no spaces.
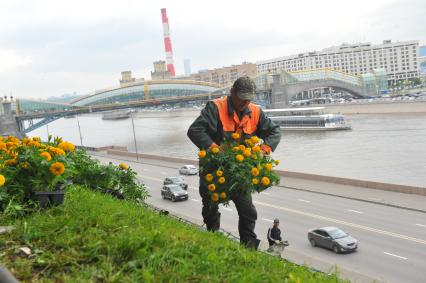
{"x":217,"y":121}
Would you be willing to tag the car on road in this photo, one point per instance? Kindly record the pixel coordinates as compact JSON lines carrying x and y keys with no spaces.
{"x":174,"y":193}
{"x":332,"y":238}
{"x":176,"y":181}
{"x":188,"y":170}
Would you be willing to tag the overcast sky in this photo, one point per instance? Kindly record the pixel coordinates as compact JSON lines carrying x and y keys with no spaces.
{"x":52,"y":47}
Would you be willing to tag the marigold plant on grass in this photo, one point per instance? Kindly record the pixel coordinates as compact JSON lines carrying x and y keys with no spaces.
{"x":237,"y":167}
{"x":31,"y":166}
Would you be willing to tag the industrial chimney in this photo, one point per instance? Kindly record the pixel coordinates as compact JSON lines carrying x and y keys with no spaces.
{"x":167,"y":43}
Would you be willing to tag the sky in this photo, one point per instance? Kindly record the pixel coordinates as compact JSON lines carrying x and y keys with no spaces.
{"x":53,"y":47}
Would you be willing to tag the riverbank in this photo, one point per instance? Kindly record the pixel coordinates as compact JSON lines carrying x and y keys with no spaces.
{"x":380,"y":107}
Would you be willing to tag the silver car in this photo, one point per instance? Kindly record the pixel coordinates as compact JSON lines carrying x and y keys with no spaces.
{"x":332,"y":238}
{"x":188,"y":170}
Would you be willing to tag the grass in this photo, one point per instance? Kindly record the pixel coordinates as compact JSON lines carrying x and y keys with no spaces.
{"x":95,"y":238}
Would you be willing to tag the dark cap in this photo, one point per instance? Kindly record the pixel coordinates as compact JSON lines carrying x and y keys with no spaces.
{"x":245,"y":88}
{"x":276,"y":220}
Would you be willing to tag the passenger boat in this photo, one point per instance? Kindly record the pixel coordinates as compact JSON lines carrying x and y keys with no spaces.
{"x":116,"y":115}
{"x":307,"y":119}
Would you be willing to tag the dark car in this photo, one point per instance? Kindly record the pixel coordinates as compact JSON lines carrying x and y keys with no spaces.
{"x":174,"y":193}
{"x":176,"y":181}
{"x":332,"y":238}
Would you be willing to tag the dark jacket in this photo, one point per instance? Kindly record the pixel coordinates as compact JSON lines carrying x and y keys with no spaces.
{"x":207,"y":128}
{"x":273,"y":235}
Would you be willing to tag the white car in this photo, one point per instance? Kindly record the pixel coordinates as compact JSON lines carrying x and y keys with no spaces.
{"x":188,"y":170}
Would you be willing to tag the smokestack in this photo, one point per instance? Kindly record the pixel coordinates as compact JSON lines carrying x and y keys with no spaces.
{"x":167,"y":43}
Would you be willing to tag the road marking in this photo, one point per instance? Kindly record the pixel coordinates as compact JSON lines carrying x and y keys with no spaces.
{"x":361,"y":227}
{"x":226,"y":208}
{"x":151,"y":178}
{"x":193,"y":199}
{"x":266,"y":219}
{"x":304,"y":200}
{"x":421,"y":225}
{"x":401,"y":257}
{"x":355,"y":211}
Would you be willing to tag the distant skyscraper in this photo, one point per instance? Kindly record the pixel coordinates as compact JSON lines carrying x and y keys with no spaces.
{"x":187,"y":67}
{"x":167,"y":43}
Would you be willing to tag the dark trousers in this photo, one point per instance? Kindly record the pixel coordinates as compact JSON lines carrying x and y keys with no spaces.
{"x":246,"y":211}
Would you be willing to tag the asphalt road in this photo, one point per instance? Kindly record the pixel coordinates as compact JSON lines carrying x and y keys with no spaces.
{"x":392,"y":241}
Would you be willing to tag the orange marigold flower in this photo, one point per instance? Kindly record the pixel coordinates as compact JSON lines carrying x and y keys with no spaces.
{"x":235,"y":136}
{"x":254,"y":139}
{"x":221,"y":180}
{"x":255,"y":181}
{"x":242,"y":147}
{"x":202,"y":154}
{"x":46,"y":155}
{"x":66,"y":146}
{"x":277,"y":162}
{"x":57,"y":168}
{"x":247,"y":152}
{"x":219,"y":173}
{"x":211,"y":187}
{"x":235,"y":148}
{"x":255,"y":172}
{"x":266,"y":181}
{"x":37,"y":139}
{"x":254,"y":156}
{"x":123,"y":166}
{"x":215,"y":197}
{"x":2,"y":180}
{"x":239,"y":158}
{"x":256,"y":148}
{"x":56,"y":151}
{"x":3,"y":146}
{"x":215,"y":150}
{"x":209,"y":178}
{"x":223,"y":195}
{"x":268,"y":166}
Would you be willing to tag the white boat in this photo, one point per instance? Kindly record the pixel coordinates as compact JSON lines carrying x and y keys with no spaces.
{"x":307,"y":119}
{"x":117,"y":115}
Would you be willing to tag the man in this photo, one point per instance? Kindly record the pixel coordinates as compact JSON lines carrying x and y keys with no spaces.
{"x":217,"y":121}
{"x":274,"y":233}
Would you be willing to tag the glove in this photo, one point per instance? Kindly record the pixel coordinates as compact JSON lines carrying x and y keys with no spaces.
{"x":266,"y":149}
{"x":277,"y":242}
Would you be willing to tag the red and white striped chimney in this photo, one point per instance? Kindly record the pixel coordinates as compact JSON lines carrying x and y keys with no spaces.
{"x":167,"y":43}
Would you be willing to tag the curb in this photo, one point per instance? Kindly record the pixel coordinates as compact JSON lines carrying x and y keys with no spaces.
{"x":357,"y":199}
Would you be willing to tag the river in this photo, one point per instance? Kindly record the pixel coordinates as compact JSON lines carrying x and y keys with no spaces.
{"x":384,"y":147}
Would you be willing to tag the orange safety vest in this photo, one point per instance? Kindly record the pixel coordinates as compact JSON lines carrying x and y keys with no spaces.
{"x":232,"y":123}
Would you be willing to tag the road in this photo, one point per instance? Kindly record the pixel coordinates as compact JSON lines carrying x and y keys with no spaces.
{"x":392,"y":241}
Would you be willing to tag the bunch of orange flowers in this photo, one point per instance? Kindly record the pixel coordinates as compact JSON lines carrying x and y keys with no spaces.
{"x":237,"y":166}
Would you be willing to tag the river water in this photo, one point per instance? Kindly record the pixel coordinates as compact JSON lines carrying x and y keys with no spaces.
{"x":385,"y":147}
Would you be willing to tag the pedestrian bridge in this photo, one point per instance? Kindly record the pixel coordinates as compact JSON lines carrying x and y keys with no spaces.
{"x":296,"y":82}
{"x":276,"y":88}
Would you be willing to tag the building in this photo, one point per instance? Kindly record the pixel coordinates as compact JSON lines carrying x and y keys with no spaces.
{"x":160,"y":71}
{"x":422,"y":62}
{"x":399,"y":59}
{"x":225,"y":76}
{"x":128,"y":80}
{"x":187,"y":67}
